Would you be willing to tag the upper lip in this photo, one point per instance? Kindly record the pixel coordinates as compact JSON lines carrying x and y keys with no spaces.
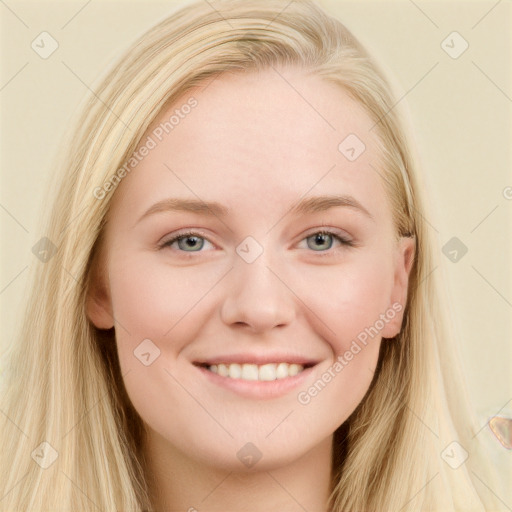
{"x":258,"y":359}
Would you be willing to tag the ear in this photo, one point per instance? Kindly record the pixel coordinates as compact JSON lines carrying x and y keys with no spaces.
{"x":405,"y":253}
{"x":98,"y":300}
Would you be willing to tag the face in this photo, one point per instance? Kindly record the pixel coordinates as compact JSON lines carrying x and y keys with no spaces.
{"x":251,"y":269}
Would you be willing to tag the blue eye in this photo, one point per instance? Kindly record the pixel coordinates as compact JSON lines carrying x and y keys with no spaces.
{"x":321,"y":241}
{"x":187,"y":242}
{"x":324,"y":241}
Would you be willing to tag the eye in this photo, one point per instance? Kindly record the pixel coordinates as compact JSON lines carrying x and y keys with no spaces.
{"x":192,"y":241}
{"x":322,"y":241}
{"x":187,"y":242}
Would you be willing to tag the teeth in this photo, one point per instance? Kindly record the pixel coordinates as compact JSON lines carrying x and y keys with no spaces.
{"x":234,"y":371}
{"x":294,"y":369}
{"x":282,"y":370}
{"x":249,"y":371}
{"x":223,"y":370}
{"x":265,"y":372}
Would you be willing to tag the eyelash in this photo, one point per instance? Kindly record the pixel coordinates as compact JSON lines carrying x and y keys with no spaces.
{"x":343,"y":241}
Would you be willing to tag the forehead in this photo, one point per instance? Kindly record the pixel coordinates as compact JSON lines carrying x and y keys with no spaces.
{"x":253,"y":138}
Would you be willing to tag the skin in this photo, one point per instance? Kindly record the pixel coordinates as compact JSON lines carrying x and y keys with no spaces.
{"x":254,"y":145}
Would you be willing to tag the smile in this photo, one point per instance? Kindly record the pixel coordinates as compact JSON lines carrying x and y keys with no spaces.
{"x":257,"y":376}
{"x":264,"y":372}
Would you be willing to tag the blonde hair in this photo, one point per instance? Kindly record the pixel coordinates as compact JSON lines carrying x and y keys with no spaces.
{"x":63,"y":381}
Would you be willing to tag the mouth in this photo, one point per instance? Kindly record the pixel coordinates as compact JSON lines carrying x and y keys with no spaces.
{"x":258,"y":375}
{"x":256,"y":372}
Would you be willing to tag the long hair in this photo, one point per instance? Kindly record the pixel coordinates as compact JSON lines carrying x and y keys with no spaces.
{"x":70,"y":438}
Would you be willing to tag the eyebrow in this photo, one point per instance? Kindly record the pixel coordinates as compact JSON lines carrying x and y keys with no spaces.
{"x":212,"y":208}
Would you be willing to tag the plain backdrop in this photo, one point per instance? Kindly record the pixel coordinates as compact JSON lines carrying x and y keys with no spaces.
{"x":460,"y":109}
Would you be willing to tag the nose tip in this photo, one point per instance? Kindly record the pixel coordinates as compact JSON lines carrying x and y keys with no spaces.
{"x":256,"y":298}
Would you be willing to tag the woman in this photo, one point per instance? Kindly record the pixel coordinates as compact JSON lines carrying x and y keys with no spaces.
{"x":192,"y":344}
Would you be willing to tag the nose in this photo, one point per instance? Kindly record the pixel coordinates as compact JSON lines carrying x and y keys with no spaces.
{"x":257,"y":298}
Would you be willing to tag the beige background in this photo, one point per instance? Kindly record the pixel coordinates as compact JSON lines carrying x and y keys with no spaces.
{"x":461,"y":110}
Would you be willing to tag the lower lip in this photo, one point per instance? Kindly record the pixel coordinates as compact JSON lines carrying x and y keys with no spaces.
{"x":258,"y":388}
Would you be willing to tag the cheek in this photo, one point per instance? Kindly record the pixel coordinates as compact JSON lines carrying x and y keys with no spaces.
{"x":152,"y":301}
{"x":349,"y":305}
{"x":348,"y":299}
{"x":345,"y":306}
{"x":149,"y":298}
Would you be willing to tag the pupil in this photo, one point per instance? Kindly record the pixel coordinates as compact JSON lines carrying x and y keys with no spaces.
{"x":321,"y":239}
{"x":190,"y":242}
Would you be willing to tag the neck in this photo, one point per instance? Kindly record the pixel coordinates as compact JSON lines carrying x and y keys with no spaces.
{"x":177,"y":482}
